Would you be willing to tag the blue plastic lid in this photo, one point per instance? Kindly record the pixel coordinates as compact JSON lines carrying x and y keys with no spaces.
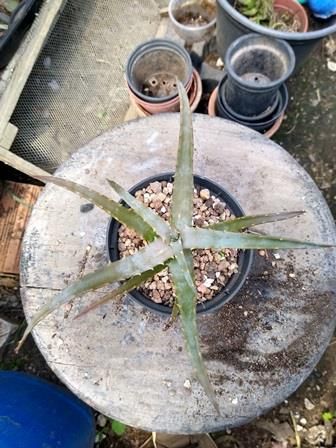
{"x":38,"y":414}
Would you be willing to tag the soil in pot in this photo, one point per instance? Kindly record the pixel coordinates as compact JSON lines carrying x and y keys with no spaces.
{"x":196,"y":14}
{"x":213,"y":269}
{"x":285,"y":21}
{"x":274,"y":15}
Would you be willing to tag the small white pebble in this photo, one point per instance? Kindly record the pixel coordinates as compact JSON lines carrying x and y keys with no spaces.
{"x":205,"y":194}
{"x":187,"y":384}
{"x":163,"y":209}
{"x":308,"y":404}
{"x":291,"y":275}
{"x":101,"y":420}
{"x":277,"y":256}
{"x":262,"y":253}
{"x":208,"y":282}
{"x":303,"y":421}
{"x":299,"y":428}
{"x":245,"y":313}
{"x":234,"y":401}
{"x":219,"y":63}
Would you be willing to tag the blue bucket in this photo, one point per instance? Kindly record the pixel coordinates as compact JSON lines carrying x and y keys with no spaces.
{"x":38,"y":414}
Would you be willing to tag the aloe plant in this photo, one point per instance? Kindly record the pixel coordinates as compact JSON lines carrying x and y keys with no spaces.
{"x":168,"y":244}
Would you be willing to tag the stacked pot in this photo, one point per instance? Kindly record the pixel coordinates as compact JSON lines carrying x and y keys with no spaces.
{"x":253,"y":91}
{"x":151,"y":72}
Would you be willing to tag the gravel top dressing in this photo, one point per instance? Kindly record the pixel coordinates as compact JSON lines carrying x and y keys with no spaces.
{"x":212,"y":268}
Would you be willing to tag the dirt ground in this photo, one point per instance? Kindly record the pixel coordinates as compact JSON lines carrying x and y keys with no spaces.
{"x":307,"y":418}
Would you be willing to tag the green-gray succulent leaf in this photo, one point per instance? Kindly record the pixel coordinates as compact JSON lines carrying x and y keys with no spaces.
{"x":184,"y":262}
{"x":186,"y":302}
{"x":148,"y":258}
{"x":244,"y":222}
{"x":126,"y":287}
{"x":119,"y":212}
{"x":158,"y":224}
{"x":215,"y":239}
{"x":182,"y":200}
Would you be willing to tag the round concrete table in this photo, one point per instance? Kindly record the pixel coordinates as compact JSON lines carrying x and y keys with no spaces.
{"x":258,"y":348}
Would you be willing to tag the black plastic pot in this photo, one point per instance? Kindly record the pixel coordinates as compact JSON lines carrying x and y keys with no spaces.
{"x":20,"y":20}
{"x":153,"y":67}
{"x":231,"y":25}
{"x":245,"y":257}
{"x":260,"y":123}
{"x":256,"y":68}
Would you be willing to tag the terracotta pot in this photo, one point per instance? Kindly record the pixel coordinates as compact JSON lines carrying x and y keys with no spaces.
{"x":172,"y":105}
{"x":212,"y":113}
{"x":294,"y":8}
{"x":194,"y":94}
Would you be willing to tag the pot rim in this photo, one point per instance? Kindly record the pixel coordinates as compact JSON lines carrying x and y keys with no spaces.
{"x":245,"y":257}
{"x":286,"y":35}
{"x":149,"y":46}
{"x":282,"y":96}
{"x":188,"y":27}
{"x":212,"y":113}
{"x":250,"y":85}
{"x":268,"y":123}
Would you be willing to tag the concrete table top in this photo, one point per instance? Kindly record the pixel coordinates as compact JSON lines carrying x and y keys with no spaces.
{"x":258,"y":348}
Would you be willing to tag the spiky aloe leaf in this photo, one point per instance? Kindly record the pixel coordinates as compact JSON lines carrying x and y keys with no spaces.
{"x":215,"y":239}
{"x":149,"y":257}
{"x":182,"y":200}
{"x":244,"y":222}
{"x":185,"y":264}
{"x":127,"y":286}
{"x":122,"y":214}
{"x":152,"y":219}
{"x":186,"y":302}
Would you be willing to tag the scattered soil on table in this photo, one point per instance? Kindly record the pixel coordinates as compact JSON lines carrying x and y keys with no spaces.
{"x":212,"y":268}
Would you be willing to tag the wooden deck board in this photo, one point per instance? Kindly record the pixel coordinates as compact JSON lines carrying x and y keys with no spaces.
{"x":15,"y":208}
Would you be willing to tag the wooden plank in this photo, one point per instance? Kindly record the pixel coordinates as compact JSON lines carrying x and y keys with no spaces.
{"x":9,"y":136}
{"x":15,"y":208}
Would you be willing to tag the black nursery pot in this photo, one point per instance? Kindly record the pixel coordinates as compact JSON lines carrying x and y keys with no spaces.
{"x":21,"y":18}
{"x":231,"y":24}
{"x":260,"y":123}
{"x":152,"y":69}
{"x":256,"y":68}
{"x":245,"y":257}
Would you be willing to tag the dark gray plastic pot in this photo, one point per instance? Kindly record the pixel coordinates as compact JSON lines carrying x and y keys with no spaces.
{"x":256,"y":67}
{"x":245,"y":257}
{"x":231,"y":25}
{"x":261,"y":123}
{"x":152,"y":69}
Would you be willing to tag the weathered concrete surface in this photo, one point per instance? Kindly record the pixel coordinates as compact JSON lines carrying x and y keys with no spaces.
{"x":259,"y":348}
